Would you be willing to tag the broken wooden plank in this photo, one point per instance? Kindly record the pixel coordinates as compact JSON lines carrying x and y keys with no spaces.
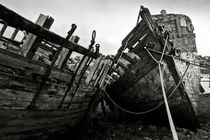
{"x":32,"y":42}
{"x":128,"y":58}
{"x":38,"y":69}
{"x":3,"y":29}
{"x":66,"y":53}
{"x":14,"y":34}
{"x":133,"y":31}
{"x":48,"y":71}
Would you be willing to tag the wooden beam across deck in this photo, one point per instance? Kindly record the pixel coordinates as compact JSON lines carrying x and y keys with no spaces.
{"x":15,"y":20}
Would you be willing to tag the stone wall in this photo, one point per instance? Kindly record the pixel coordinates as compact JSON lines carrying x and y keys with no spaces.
{"x":192,"y":77}
{"x":204,"y":107}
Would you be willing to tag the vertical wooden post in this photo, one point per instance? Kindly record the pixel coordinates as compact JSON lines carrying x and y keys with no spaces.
{"x":209,"y":81}
{"x":120,"y":50}
{"x":65,"y":54}
{"x":103,"y":65}
{"x":104,"y":76}
{"x":93,"y":71}
{"x":32,"y":42}
{"x":14,"y":34}
{"x":84,"y":68}
{"x":78,"y":67}
{"x":79,"y":81}
{"x":3,"y":29}
{"x":178,"y":27}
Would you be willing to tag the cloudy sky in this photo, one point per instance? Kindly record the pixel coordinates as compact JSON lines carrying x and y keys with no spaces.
{"x":112,"y":19}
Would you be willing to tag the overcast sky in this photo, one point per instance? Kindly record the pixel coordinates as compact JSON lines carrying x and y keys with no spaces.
{"x":112,"y":19}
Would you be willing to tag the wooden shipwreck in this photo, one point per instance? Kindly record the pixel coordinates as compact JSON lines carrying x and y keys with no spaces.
{"x":39,"y":94}
{"x":136,"y":85}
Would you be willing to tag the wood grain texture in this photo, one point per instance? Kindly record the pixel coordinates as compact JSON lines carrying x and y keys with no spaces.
{"x":19,"y":81}
{"x":22,"y":77}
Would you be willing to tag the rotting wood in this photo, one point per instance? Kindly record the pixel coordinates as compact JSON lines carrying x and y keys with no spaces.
{"x":135,"y":37}
{"x":143,"y":76}
{"x":32,"y":42}
{"x":14,"y":34}
{"x":178,"y":27}
{"x":22,"y":78}
{"x":120,"y":64}
{"x":93,"y":70}
{"x":135,"y":30}
{"x":45,"y":47}
{"x":78,"y":67}
{"x":10,"y":42}
{"x":17,"y":21}
{"x":84,"y":68}
{"x":36,"y":69}
{"x":128,"y":58}
{"x":66,"y":59}
{"x":3,"y":29}
{"x":75,"y":39}
{"x":48,"y":71}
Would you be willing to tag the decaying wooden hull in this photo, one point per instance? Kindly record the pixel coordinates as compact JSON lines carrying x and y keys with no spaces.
{"x":138,"y":87}
{"x":20,"y":80}
{"x":39,"y":99}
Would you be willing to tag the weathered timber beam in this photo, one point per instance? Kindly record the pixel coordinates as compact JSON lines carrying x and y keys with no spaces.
{"x":77,"y":48}
{"x":32,"y":42}
{"x":76,"y":72}
{"x":3,"y":29}
{"x":46,"y":47}
{"x":14,"y":34}
{"x":128,"y":58}
{"x":135,"y":30}
{"x":17,"y":43}
{"x":49,"y":70}
{"x":125,"y":68}
{"x":75,"y":40}
{"x":17,"y":21}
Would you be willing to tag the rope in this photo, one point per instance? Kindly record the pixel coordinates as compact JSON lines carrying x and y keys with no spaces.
{"x":151,"y":55}
{"x":181,"y":45}
{"x":150,"y":110}
{"x":128,"y":111}
{"x":173,"y":130}
{"x":180,"y":80}
{"x":162,"y":53}
{"x":165,"y":44}
{"x":188,"y":61}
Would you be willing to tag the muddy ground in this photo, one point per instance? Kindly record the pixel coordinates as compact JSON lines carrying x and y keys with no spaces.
{"x":99,"y":128}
